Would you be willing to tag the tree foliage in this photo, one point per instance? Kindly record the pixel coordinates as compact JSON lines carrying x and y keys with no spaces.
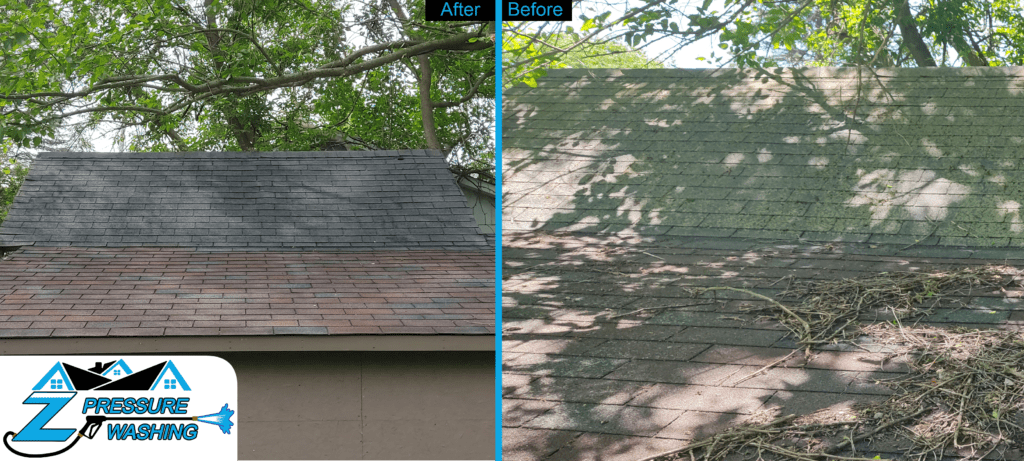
{"x":878,"y":33}
{"x":208,"y":75}
{"x":565,"y":49}
{"x":12,"y":174}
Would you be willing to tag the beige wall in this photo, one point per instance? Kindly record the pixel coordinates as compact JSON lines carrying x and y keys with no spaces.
{"x":483,"y":207}
{"x":365,"y":405}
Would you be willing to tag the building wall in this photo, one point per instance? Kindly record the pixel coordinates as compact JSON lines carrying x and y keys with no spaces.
{"x":365,"y":405}
{"x":483,"y":208}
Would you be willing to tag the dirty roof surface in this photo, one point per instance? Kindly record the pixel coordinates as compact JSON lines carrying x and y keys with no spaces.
{"x":223,"y":244}
{"x":371,"y":200}
{"x":823,"y":154}
{"x":625,"y":188}
{"x":593,"y":370}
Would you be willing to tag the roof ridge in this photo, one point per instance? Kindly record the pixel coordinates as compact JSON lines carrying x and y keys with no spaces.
{"x":810,"y":72}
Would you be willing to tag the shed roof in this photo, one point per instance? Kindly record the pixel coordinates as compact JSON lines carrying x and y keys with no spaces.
{"x":229,"y":245}
{"x":660,"y":182}
{"x":891,"y":155}
{"x":269,"y":200}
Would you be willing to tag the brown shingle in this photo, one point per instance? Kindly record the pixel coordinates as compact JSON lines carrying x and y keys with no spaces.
{"x":460,"y":287}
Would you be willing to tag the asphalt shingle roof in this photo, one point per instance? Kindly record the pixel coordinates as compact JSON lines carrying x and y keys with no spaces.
{"x":606,"y":354}
{"x":229,"y":244}
{"x":270,"y":200}
{"x":624,"y":190}
{"x":894,"y":155}
{"x":47,"y":291}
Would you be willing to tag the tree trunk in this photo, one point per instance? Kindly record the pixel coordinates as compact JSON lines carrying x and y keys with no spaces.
{"x":426,"y":104}
{"x":911,"y":37}
{"x":424,"y":79}
{"x":246,"y":138}
{"x":971,"y":57}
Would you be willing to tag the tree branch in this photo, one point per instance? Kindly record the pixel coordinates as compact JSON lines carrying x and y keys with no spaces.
{"x":911,"y":37}
{"x":251,"y":39}
{"x":341,"y":68}
{"x":469,"y":94}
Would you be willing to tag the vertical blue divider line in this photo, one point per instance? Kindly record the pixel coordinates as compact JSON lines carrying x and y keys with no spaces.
{"x":498,"y":28}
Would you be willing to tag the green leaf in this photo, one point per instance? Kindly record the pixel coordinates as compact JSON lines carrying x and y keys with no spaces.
{"x":37,"y":141}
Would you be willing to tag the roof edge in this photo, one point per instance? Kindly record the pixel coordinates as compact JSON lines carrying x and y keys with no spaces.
{"x":809,"y":72}
{"x":204,"y":344}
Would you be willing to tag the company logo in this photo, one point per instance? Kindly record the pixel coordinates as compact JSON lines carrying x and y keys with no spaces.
{"x":159,"y":408}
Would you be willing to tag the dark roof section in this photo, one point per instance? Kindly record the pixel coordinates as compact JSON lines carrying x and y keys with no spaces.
{"x":905,"y":156}
{"x":254,"y":201}
{"x":103,"y":292}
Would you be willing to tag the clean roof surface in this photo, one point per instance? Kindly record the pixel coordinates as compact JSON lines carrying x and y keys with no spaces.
{"x":252,"y":201}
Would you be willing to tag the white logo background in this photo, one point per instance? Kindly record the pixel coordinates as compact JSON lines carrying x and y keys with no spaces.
{"x":211,"y":379}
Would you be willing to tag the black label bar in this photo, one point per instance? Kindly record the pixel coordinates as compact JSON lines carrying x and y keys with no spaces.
{"x":460,"y":10}
{"x":532,"y":10}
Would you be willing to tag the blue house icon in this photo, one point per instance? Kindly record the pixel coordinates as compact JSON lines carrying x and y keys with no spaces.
{"x":54,"y":380}
{"x":170,"y":379}
{"x":117,"y":370}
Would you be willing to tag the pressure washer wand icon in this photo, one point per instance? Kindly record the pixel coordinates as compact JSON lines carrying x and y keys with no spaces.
{"x":94,"y":422}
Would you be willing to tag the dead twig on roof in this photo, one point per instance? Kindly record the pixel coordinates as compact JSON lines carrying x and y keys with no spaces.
{"x":653,"y":256}
{"x":767,"y":367}
{"x":790,"y":276}
{"x":645,"y":309}
{"x":935,"y":227}
{"x":806,"y":327}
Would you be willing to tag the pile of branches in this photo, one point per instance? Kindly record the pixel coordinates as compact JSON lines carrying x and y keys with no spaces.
{"x":786,"y":438}
{"x":968,"y":384}
{"x":964,"y":394}
{"x":828,"y":309}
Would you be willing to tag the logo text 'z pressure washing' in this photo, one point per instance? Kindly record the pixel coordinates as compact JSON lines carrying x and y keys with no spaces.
{"x":129,"y":417}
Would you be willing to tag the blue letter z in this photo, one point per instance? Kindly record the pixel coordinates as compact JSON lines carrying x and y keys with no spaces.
{"x":33,"y":431}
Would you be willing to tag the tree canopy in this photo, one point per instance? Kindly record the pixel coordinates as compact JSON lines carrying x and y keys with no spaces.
{"x":876,"y":33}
{"x":616,"y":54}
{"x":209,"y":75}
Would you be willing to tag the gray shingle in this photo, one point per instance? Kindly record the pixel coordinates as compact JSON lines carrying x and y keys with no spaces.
{"x":377,"y":200}
{"x":815,"y":152}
